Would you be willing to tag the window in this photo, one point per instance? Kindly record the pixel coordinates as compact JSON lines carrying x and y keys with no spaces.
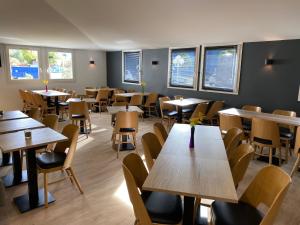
{"x":220,"y":68}
{"x":183,"y":68}
{"x":60,"y":65}
{"x":23,"y":64}
{"x":132,"y":67}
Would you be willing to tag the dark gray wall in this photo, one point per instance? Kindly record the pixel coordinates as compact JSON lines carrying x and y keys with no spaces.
{"x":271,"y":87}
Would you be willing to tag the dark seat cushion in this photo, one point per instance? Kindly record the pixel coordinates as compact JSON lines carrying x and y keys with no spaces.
{"x":262,"y":141}
{"x":286,"y":133}
{"x":170,"y":113}
{"x":186,"y":110}
{"x":247,"y":125}
{"x":127,"y":129}
{"x":63,"y":104}
{"x":163,"y":208}
{"x":77,"y":116}
{"x":224,"y":213}
{"x":50,"y":160}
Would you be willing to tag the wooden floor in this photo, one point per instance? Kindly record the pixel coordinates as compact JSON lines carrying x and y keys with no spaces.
{"x":105,"y":201}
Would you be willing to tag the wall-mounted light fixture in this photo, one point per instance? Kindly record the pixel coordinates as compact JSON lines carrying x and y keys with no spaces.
{"x":92,"y":62}
{"x":269,"y":61}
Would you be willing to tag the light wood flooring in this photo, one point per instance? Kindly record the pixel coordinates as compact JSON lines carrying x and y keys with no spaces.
{"x":105,"y":200}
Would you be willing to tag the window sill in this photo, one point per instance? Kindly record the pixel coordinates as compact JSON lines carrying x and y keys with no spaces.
{"x":182,"y":88}
{"x":220,"y":92}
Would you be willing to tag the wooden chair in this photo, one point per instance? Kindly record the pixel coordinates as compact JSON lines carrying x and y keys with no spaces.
{"x":34,"y":113}
{"x":160,"y":132}
{"x":126,"y":125}
{"x":150,"y":104}
{"x":152,"y":148}
{"x":232,"y":139}
{"x":268,"y":188}
{"x":51,"y":121}
{"x":287,"y":133}
{"x":229,"y":121}
{"x":119,"y":98}
{"x":200,"y":110}
{"x":296,"y":152}
{"x":23,"y":99}
{"x":149,"y":207}
{"x":247,"y":122}
{"x":212,"y":115}
{"x":90,"y":94}
{"x":43,"y":105}
{"x":59,"y":160}
{"x":168,"y":112}
{"x":78,"y":111}
{"x":102,"y":99}
{"x":265,"y":134}
{"x":136,"y":100}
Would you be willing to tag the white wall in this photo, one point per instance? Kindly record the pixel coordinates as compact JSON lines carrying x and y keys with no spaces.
{"x":85,"y":75}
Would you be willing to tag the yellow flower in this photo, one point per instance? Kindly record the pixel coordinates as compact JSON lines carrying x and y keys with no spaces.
{"x":194,"y":121}
{"x":143,"y":84}
{"x":45,"y":82}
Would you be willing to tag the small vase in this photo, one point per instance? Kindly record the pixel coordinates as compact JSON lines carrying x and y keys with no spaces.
{"x":192,"y":137}
{"x":46,"y":88}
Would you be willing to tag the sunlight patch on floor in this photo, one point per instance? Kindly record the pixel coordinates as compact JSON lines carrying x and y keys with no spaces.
{"x":83,"y":142}
{"x":122,"y":194}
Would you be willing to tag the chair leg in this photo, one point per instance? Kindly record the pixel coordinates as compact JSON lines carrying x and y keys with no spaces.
{"x":296,"y":165}
{"x":280,"y":156}
{"x":287,"y":149}
{"x":70,"y":176}
{"x":119,"y":145}
{"x":270,"y":155}
{"x":45,"y":190}
{"x":75,"y":179}
{"x":85,"y":128}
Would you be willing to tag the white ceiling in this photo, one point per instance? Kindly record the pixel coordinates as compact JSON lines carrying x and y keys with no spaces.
{"x":132,"y":24}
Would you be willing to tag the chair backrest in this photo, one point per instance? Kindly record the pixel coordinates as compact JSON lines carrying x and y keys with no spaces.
{"x":71,"y":131}
{"x":285,"y":113}
{"x":79,"y":108}
{"x":253,"y":108}
{"x":22,"y":95}
{"x":127,"y":120}
{"x":136,"y":100}
{"x":265,"y":133}
{"x":160,"y":132}
{"x":135,"y":175}
{"x":151,"y":99}
{"x":229,"y":136}
{"x":119,"y":103}
{"x":176,"y":97}
{"x":297,"y":142}
{"x":269,"y":188}
{"x":29,"y":98}
{"x":51,"y":121}
{"x":239,"y":161}
{"x":200,"y":109}
{"x":213,"y":110}
{"x":102,"y":95}
{"x":229,"y":121}
{"x":165,"y":107}
{"x":152,"y":148}
{"x":34,"y":113}
{"x":90,"y":94}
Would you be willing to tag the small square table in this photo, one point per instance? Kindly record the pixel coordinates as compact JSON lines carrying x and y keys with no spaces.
{"x":14,"y":142}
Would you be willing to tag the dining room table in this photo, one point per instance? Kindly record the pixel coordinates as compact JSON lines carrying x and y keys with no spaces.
{"x":10,"y":115}
{"x":48,"y":94}
{"x":199,"y":172}
{"x":10,"y":126}
{"x":185,"y":102}
{"x":15,"y":142}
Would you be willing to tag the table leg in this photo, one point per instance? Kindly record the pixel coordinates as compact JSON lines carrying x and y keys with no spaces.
{"x":188,"y":215}
{"x":179,"y":116}
{"x":56,"y":105}
{"x":19,"y":176}
{"x":35,"y":196}
{"x":6,"y":160}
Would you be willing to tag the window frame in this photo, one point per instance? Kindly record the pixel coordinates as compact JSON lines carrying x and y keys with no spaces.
{"x":235,"y":91}
{"x":7,"y":65}
{"x":47,"y":50}
{"x":196,"y":73}
{"x":140,"y":67}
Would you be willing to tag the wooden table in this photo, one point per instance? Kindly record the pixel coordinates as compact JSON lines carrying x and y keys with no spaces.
{"x":10,"y":115}
{"x":51,"y":93}
{"x":129,"y":95}
{"x":14,"y":142}
{"x":10,"y":126}
{"x":202,"y":172}
{"x":183,"y":103}
{"x":114,"y":110}
{"x":88,"y":100}
{"x":288,"y":120}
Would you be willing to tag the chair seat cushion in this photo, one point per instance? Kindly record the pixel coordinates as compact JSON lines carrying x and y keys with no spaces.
{"x":50,"y":160}
{"x":187,"y":110}
{"x":127,"y":130}
{"x":77,"y":116}
{"x":247,"y":125}
{"x":170,"y":113}
{"x":286,"y":133}
{"x":163,"y":208}
{"x":224,"y":213}
{"x":63,"y":104}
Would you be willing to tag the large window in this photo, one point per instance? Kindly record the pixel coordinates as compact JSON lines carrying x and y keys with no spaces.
{"x":183,"y":68}
{"x":60,"y":65}
{"x":23,"y":63}
{"x":220,"y":68}
{"x":132,"y":67}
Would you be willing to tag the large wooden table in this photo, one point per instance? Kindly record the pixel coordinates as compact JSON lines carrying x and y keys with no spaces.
{"x":202,"y":172}
{"x":14,"y":142}
{"x":10,"y":126}
{"x":129,"y":95}
{"x":180,"y":103}
{"x":51,"y":93}
{"x":115,"y":109}
{"x":288,"y":120}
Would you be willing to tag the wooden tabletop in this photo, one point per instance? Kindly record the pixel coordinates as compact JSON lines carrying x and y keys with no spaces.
{"x":9,"y":126}
{"x":129,"y":95}
{"x":39,"y":137}
{"x":50,"y":93}
{"x":186,"y":101}
{"x":116,"y":109}
{"x":12,"y":115}
{"x":88,"y":100}
{"x":288,"y":120}
{"x":200,"y":172}
{"x":97,"y":89}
